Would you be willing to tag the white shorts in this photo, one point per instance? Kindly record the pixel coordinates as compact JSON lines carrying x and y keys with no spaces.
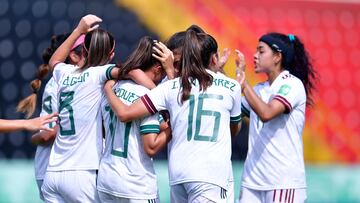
{"x":273,"y":196}
{"x":39,"y":184}
{"x":109,"y":198}
{"x":198,"y":192}
{"x":70,"y":186}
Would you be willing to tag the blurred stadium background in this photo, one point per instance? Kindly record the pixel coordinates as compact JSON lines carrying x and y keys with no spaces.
{"x":329,"y":28}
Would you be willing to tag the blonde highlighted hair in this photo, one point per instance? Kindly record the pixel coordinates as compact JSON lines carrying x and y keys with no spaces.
{"x":28,"y":105}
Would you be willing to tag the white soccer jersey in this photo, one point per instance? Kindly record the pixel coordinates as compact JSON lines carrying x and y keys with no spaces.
{"x":200,"y":148}
{"x":125,"y":169}
{"x":49,"y":105}
{"x":78,"y":144}
{"x":275,"y":156}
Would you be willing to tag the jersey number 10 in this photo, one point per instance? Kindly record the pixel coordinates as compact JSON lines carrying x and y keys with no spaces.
{"x":112,"y":126}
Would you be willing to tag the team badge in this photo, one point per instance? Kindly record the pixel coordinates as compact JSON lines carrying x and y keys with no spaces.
{"x":284,"y":90}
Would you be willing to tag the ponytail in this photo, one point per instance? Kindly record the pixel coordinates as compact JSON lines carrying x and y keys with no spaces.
{"x":196,"y":55}
{"x":177,"y":40}
{"x":196,"y":29}
{"x":302,"y":68}
{"x":28,"y":105}
{"x":98,"y":47}
{"x":295,"y":59}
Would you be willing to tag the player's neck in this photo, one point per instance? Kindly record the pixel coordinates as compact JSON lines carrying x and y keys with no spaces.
{"x":272,"y":75}
{"x":150,"y":74}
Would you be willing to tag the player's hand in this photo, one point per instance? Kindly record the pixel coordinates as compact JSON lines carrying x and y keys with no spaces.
{"x":240,"y":67}
{"x":40,"y":123}
{"x":240,"y":60}
{"x":88,"y":23}
{"x":166,"y":119}
{"x":223,"y":58}
{"x":164,"y":55}
{"x":164,"y":125}
{"x":168,"y":132}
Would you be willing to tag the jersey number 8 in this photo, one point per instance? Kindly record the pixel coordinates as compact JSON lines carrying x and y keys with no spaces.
{"x":65,"y":105}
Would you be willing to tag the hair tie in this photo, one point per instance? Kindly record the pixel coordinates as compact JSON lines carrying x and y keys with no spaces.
{"x":291,"y":37}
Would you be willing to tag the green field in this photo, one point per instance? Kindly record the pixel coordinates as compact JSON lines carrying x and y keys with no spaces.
{"x":326,"y":184}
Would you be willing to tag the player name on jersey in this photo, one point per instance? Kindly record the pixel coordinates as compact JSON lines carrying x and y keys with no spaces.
{"x":126,"y":95}
{"x":70,"y":81}
{"x":216,"y":81}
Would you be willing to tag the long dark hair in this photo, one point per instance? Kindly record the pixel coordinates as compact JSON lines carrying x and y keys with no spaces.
{"x":140,"y":58}
{"x":195,"y":59}
{"x":28,"y":104}
{"x":297,"y":61}
{"x":98,"y":47}
{"x":177,"y":40}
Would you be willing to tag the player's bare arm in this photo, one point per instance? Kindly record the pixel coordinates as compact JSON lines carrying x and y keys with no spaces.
{"x":124,"y":112}
{"x":153,"y":142}
{"x":265,"y":111}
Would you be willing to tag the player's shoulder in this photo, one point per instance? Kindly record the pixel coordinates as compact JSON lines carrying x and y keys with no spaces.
{"x":169,"y":84}
{"x":100,"y":68}
{"x":287,"y":78}
{"x":51,"y":86}
{"x":109,"y":65}
{"x":130,"y":85}
{"x":223,"y":76}
{"x":230,"y":83}
{"x":60,"y":66}
{"x":261,"y":85}
{"x":64,"y":68}
{"x":51,"y":83}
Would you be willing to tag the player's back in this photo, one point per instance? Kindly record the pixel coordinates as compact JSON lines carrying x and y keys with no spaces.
{"x":124,"y":158}
{"x":200,"y":148}
{"x":78,"y":144}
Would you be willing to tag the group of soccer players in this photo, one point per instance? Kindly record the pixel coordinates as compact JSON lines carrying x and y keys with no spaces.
{"x":174,"y":95}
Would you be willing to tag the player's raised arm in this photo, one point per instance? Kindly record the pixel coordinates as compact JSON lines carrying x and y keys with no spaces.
{"x":265,"y":111}
{"x":86,"y":24}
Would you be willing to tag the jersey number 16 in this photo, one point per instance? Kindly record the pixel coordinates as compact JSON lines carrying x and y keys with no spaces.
{"x":199,"y":113}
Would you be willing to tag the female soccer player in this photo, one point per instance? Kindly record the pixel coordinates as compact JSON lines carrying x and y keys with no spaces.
{"x":44,"y":139}
{"x":175,"y":44}
{"x":75,"y":155}
{"x":126,"y":172}
{"x":274,"y":167}
{"x":204,"y":110}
